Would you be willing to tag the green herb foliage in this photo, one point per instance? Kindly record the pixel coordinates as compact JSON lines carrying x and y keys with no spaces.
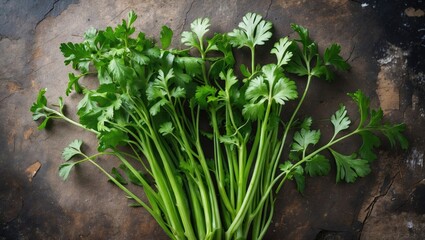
{"x":218,"y":181}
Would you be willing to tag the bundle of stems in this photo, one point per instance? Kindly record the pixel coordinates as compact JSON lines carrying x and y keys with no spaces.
{"x":207,"y":145}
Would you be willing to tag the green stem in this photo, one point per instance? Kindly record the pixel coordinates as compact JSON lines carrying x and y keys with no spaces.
{"x":241,"y":212}
{"x":291,"y":121}
{"x":69,"y":120}
{"x":252,"y":60}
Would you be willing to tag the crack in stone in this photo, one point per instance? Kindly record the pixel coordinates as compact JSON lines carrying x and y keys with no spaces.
{"x":268,"y":9}
{"x":412,"y":190}
{"x":47,"y":13}
{"x":371,"y":205}
{"x":119,"y":14}
{"x":354,"y":45}
{"x":185,"y":17}
{"x":10,"y":94}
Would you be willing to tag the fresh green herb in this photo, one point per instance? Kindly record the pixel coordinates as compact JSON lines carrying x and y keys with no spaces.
{"x":218,"y":181}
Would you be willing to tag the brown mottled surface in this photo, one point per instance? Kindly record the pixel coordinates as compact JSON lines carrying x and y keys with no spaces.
{"x":383,"y":40}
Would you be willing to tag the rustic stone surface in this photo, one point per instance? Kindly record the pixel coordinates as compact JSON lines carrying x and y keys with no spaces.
{"x":388,"y":204}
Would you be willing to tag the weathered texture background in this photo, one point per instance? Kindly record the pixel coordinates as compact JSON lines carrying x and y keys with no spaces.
{"x":384,"y":41}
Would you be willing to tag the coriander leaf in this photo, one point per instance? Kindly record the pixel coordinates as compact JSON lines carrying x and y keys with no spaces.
{"x":253,"y":30}
{"x":254,"y":111}
{"x":111,"y":139}
{"x":90,"y":119}
{"x":332,"y":57}
{"x":257,"y":90}
{"x":166,"y":128}
{"x":229,"y":78}
{"x":178,"y":92}
{"x":280,"y":49}
{"x":37,"y":107}
{"x":200,"y":27}
{"x":192,"y":65}
{"x":155,"y":90}
{"x":306,"y":123}
{"x":139,"y":58}
{"x":155,"y":109}
{"x":40,"y":110}
{"x":303,"y":34}
{"x":284,"y":90}
{"x":370,"y":142}
{"x":76,"y":54}
{"x":340,"y":120}
{"x":86,"y":104}
{"x":303,"y":138}
{"x":349,"y":167}
{"x":121,"y":73}
{"x":65,"y":169}
{"x":297,"y":63}
{"x":166,"y":37}
{"x":363,"y":104}
{"x":131,"y":18}
{"x":73,"y":83}
{"x":189,"y":39}
{"x":394,"y":133}
{"x":74,"y":148}
{"x":318,"y":166}
{"x":286,"y":167}
{"x":203,"y":93}
{"x":321,"y":70}
{"x":103,"y":75}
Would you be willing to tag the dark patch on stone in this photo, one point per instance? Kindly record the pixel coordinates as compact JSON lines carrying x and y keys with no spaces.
{"x":405,"y":32}
{"x":333,"y":235}
{"x":36,"y":214}
{"x":416,"y":201}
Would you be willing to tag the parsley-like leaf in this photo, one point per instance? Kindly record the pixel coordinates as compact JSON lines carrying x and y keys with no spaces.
{"x":111,"y":139}
{"x":280,"y":49}
{"x":77,"y":54}
{"x":394,"y":133}
{"x":318,"y":166}
{"x":370,"y":142}
{"x":303,"y":138}
{"x":332,"y":57}
{"x":253,"y":30}
{"x":166,"y":36}
{"x":203,"y":93}
{"x":65,"y":169}
{"x":284,"y":90}
{"x":74,"y":148}
{"x":122,"y":74}
{"x":257,"y":90}
{"x":166,"y":128}
{"x":73,"y":83}
{"x":254,"y":111}
{"x":303,"y":34}
{"x":340,"y":120}
{"x":349,"y":167}
{"x":200,"y":27}
{"x":37,"y":107}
